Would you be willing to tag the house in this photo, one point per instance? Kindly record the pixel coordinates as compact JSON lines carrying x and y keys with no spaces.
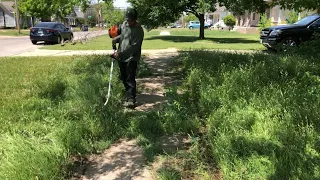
{"x":73,"y":18}
{"x":217,"y":16}
{"x":7,"y":15}
{"x":277,"y":15}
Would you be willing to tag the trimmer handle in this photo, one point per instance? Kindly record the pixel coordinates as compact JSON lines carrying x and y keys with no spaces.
{"x":114,"y":47}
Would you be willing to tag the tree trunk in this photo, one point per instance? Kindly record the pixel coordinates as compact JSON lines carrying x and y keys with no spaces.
{"x":201,"y":18}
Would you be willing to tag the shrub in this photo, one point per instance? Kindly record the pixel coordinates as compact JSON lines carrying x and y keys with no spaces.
{"x":293,"y":17}
{"x":230,"y":21}
{"x":264,"y":22}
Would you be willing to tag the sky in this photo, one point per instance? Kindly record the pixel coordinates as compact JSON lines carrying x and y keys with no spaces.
{"x":119,"y":3}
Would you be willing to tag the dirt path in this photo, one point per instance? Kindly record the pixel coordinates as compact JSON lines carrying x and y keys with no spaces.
{"x":124,"y":160}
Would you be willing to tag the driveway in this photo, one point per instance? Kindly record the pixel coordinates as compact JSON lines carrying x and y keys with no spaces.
{"x":10,"y":46}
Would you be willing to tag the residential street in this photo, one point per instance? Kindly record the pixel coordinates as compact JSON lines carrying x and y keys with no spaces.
{"x":10,"y":46}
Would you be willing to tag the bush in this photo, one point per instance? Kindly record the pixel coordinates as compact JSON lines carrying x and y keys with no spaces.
{"x":230,"y":21}
{"x":293,"y":17}
{"x":264,"y":22}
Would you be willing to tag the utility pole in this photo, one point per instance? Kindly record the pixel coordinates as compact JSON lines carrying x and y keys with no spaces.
{"x":99,"y":15}
{"x":17,"y":16}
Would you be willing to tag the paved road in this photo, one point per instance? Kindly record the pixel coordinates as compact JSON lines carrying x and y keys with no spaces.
{"x":10,"y":46}
{"x":15,"y":45}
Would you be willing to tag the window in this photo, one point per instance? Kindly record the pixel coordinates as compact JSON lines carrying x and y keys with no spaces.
{"x":316,"y":24}
{"x":63,"y":27}
{"x":307,"y":20}
{"x":44,"y":25}
{"x":253,"y":16}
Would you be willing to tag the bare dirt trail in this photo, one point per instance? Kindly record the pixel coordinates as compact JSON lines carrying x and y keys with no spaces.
{"x":124,"y":160}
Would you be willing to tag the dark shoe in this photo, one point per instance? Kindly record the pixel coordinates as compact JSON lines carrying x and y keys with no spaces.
{"x":130,"y":104}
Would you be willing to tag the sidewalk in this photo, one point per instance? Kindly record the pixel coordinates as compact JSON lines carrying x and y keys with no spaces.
{"x":43,"y":52}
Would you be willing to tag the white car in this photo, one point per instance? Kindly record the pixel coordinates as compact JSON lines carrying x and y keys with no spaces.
{"x":219,"y":25}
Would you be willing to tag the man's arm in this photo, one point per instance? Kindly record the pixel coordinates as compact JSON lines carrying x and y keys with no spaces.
{"x":116,"y":39}
{"x":135,"y":46}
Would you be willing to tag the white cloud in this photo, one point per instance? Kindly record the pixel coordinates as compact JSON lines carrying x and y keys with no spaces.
{"x":117,"y":3}
{"x":121,"y":3}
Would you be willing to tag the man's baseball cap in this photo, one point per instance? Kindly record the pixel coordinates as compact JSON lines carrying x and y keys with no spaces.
{"x":131,"y":14}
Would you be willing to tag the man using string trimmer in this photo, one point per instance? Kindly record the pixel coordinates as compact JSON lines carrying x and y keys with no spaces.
{"x":130,"y":37}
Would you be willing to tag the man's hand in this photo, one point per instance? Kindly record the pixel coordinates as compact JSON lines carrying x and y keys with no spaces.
{"x":115,"y":55}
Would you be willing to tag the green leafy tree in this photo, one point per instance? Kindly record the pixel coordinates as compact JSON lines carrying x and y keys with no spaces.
{"x":112,"y":15}
{"x":230,"y":21}
{"x":154,"y":13}
{"x":239,"y":7}
{"x":44,"y":9}
{"x":299,"y":5}
{"x":190,"y":17}
{"x":91,"y":17}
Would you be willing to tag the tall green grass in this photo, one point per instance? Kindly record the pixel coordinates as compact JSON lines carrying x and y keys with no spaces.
{"x":259,"y":113}
{"x":52,"y":109}
{"x":255,"y":116}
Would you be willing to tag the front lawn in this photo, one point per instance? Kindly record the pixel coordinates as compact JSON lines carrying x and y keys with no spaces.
{"x":183,"y":39}
{"x":13,"y":32}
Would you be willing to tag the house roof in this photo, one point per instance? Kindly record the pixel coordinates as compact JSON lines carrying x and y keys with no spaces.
{"x":7,"y":6}
{"x":78,"y":12}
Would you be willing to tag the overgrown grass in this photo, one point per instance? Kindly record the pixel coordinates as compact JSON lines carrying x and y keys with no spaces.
{"x":52,"y":109}
{"x":259,"y":113}
{"x":255,"y":116}
{"x":181,"y":39}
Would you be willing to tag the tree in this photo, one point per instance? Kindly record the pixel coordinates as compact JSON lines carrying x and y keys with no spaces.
{"x":44,"y":9}
{"x":239,"y":7}
{"x":299,"y":5}
{"x":190,"y":17}
{"x":112,"y":15}
{"x":154,"y":13}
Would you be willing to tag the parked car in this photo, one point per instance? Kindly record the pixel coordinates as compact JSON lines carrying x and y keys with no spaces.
{"x":291,"y":35}
{"x":219,"y":25}
{"x":50,"y":32}
{"x":176,"y":25}
{"x":84,"y":27}
{"x":196,"y":24}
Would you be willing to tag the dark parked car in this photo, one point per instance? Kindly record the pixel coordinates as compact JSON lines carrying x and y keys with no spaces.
{"x":291,"y":35}
{"x":84,"y":27}
{"x":50,"y":32}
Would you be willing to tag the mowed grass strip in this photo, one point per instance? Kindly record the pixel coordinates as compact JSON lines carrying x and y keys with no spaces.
{"x":14,"y":32}
{"x":183,"y":39}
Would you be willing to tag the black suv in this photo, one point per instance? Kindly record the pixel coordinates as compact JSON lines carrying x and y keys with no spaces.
{"x":291,"y":35}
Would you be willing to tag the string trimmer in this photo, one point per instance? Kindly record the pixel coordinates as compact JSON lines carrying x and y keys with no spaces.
{"x":114,"y":31}
{"x":110,"y":78}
